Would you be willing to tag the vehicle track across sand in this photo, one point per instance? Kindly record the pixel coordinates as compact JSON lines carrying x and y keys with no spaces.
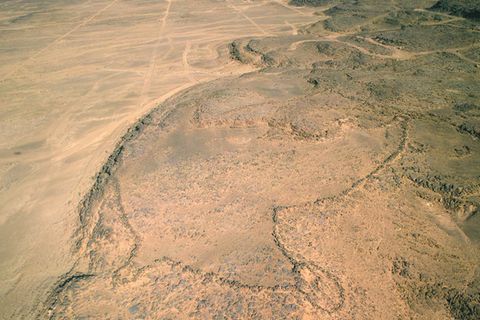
{"x":56,"y":41}
{"x":156,"y":232}
{"x":75,"y":77}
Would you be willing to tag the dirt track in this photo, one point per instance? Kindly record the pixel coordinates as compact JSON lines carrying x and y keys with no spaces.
{"x":330,"y":171}
{"x":74,"y":78}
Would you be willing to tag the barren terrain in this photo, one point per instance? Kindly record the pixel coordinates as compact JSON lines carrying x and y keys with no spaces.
{"x":316,"y":160}
{"x":74,"y":76}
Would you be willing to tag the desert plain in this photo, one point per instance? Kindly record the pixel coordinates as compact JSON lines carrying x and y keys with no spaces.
{"x":230,"y":159}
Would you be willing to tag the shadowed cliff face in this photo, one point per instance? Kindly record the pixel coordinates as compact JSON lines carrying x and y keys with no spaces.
{"x":339,"y":180}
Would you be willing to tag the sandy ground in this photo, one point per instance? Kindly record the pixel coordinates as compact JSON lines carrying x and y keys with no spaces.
{"x":280,"y":162}
{"x":73,"y":77}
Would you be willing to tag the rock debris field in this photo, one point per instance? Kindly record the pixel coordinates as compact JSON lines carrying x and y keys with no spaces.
{"x":329,"y":168}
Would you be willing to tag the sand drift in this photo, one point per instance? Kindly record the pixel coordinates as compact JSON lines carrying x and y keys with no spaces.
{"x":336,"y":177}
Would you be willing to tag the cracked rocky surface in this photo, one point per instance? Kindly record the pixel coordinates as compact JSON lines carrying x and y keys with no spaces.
{"x":340,"y":179}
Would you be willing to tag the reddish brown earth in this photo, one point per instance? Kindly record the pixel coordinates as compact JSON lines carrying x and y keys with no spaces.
{"x":336,"y":177}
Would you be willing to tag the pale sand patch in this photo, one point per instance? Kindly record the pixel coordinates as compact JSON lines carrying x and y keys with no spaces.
{"x":74,"y":77}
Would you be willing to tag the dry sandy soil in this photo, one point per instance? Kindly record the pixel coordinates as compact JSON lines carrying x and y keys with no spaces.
{"x":316,"y":161}
{"x":74,"y":75}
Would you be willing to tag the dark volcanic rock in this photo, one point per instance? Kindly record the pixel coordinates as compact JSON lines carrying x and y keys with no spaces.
{"x":289,"y":191}
{"x":311,"y":3}
{"x":469,"y":9}
{"x":464,"y":306}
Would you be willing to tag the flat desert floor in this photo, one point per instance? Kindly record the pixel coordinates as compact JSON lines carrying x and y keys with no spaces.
{"x":240,"y":159}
